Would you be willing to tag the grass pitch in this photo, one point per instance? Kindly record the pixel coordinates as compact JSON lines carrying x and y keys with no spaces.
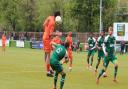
{"x":25,"y":69}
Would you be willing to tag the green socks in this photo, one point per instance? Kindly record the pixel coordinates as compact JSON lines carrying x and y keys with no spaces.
{"x":55,"y":78}
{"x":88,"y":60}
{"x":62,"y":81}
{"x":96,"y":67}
{"x":91,"y":61}
{"x":115,"y":71}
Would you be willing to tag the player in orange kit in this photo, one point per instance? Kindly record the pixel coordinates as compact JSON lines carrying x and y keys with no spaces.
{"x":49,"y":26}
{"x":3,"y":42}
{"x":57,"y":38}
{"x":70,"y":41}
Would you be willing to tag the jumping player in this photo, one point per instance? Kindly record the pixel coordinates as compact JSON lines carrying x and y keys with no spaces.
{"x":58,"y":54}
{"x":109,"y":51}
{"x":70,"y":41}
{"x":49,"y":26}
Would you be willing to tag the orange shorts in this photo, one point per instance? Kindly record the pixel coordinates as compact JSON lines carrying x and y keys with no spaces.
{"x":47,"y":45}
{"x":70,"y":54}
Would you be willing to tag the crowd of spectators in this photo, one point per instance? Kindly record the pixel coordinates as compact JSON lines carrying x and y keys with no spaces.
{"x":25,"y":36}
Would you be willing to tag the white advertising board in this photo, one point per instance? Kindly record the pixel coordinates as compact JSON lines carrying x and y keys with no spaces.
{"x":7,"y":42}
{"x":121,"y":31}
{"x":20,"y":44}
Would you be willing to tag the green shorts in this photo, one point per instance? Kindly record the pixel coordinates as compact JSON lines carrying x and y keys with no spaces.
{"x":91,"y":52}
{"x":100,"y":55}
{"x":112,"y":58}
{"x":55,"y":65}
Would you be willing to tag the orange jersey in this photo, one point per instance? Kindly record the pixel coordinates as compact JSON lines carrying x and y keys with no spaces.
{"x":3,"y":39}
{"x":57,"y":40}
{"x":49,"y":26}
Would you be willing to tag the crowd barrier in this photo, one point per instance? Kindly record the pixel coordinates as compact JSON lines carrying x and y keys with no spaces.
{"x":39,"y":45}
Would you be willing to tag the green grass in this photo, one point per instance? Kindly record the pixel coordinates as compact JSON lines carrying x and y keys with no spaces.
{"x":24,"y":69}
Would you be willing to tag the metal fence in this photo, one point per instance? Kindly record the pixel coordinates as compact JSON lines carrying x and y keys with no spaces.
{"x":37,"y":36}
{"x":82,"y":37}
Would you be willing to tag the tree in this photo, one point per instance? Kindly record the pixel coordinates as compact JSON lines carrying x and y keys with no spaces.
{"x":109,"y":12}
{"x":29,"y":16}
{"x":9,"y":15}
{"x":85,"y":13}
{"x":77,"y":15}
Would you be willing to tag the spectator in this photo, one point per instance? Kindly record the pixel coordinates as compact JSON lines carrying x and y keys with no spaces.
{"x":122,"y":44}
{"x":78,"y":46}
{"x":26,"y":36}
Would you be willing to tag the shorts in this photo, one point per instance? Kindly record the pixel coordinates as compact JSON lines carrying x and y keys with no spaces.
{"x":122,"y":49}
{"x":47,"y":46}
{"x":100,"y":55}
{"x":91,"y":52}
{"x":55,"y":65}
{"x":111,"y":58}
{"x":3,"y":45}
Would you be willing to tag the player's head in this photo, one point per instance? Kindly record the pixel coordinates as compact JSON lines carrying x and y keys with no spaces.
{"x":57,"y":13}
{"x":58,"y":33}
{"x":102,"y":33}
{"x":110,"y":30}
{"x":4,"y":34}
{"x":91,"y":34}
{"x":70,"y":34}
{"x":66,"y":44}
